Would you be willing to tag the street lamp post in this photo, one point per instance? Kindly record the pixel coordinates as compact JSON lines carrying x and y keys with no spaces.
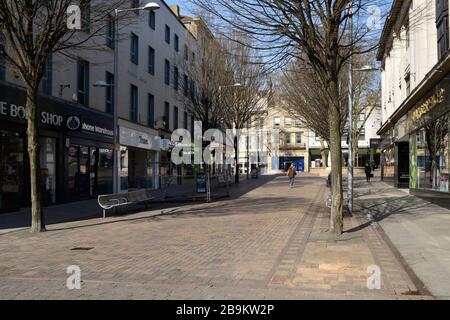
{"x":151,"y":6}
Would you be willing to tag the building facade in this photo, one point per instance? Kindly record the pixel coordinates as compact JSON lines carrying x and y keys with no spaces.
{"x":155,"y":52}
{"x":415,"y":65}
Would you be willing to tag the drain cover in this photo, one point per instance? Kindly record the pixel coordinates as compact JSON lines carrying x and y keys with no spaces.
{"x":81,"y":249}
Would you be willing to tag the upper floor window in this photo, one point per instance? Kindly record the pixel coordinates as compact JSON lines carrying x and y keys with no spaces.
{"x":298,"y":123}
{"x":134,"y":103}
{"x":111,"y":32}
{"x":167,"y":72}
{"x":166,"y":115}
{"x":2,"y":60}
{"x":276,"y":122}
{"x":134,"y":49}
{"x":167,"y":34}
{"x":151,"y":60}
{"x":109,"y":101}
{"x":86,"y":15}
{"x":175,"y":78}
{"x":298,"y":138}
{"x":442,"y":27}
{"x":151,"y":111}
{"x":185,"y":85}
{"x":135,"y":4}
{"x":287,"y":122}
{"x":152,"y":19}
{"x":185,"y":120}
{"x":176,"y":43}
{"x":175,"y":118}
{"x":83,"y":82}
{"x":186,"y":52}
{"x":47,"y":78}
{"x":408,"y":84}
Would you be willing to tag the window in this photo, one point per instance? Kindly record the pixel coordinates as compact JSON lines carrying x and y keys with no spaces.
{"x":167,"y":72}
{"x":111,"y":33}
{"x":287,"y":122}
{"x":442,"y":27}
{"x":83,"y":82}
{"x":134,"y":103}
{"x":298,"y":123}
{"x":2,"y":60}
{"x":134,"y":50}
{"x":151,"y":61}
{"x":408,"y":84}
{"x":151,"y":111}
{"x":167,"y":34}
{"x":288,"y":138}
{"x":47,"y":78}
{"x":109,"y":93}
{"x":192,"y":126}
{"x":175,"y":78}
{"x":175,"y":118}
{"x":176,"y":43}
{"x":166,"y":115}
{"x":186,"y":52}
{"x":192,"y":87}
{"x":298,"y":138}
{"x":185,"y":85}
{"x":152,"y":19}
{"x":135,"y":4}
{"x":86,"y":15}
{"x":276,"y":122}
{"x":185,"y":120}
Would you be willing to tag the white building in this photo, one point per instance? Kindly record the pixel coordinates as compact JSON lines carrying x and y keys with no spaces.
{"x":415,"y":64}
{"x":155,"y":52}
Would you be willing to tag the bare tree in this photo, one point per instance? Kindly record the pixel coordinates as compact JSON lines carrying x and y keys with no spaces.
{"x":33,"y":30}
{"x":317,"y":32}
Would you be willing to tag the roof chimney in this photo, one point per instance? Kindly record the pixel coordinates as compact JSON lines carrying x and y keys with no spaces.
{"x":176,"y":9}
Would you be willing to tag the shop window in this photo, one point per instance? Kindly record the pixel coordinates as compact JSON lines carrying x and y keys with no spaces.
{"x":11,"y":170}
{"x":48,"y":169}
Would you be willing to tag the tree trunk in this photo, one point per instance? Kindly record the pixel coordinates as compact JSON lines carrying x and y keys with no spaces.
{"x":37,"y":214}
{"x":336,"y":219}
{"x":236,"y":159}
{"x":323,"y":153}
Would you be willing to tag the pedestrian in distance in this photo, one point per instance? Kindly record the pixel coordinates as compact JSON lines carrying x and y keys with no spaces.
{"x":291,"y":173}
{"x":368,"y":171}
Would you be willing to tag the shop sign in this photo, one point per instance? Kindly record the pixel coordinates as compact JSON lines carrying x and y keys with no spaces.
{"x":64,"y":121}
{"x":428,"y":105}
{"x":375,"y":143}
{"x":134,"y":138}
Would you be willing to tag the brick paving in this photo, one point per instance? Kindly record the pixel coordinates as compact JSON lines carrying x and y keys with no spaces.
{"x":268,"y":243}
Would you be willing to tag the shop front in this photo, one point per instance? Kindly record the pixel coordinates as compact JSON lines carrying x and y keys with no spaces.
{"x":429,"y":144}
{"x":139,"y":159}
{"x":63,"y":127}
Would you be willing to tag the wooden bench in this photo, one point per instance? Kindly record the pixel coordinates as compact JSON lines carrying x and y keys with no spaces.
{"x":112,"y":201}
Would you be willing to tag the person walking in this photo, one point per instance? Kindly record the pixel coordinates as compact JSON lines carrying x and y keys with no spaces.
{"x":291,"y":173}
{"x":368,"y":171}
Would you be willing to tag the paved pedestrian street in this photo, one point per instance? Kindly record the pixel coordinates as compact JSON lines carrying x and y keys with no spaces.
{"x":267,"y":243}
